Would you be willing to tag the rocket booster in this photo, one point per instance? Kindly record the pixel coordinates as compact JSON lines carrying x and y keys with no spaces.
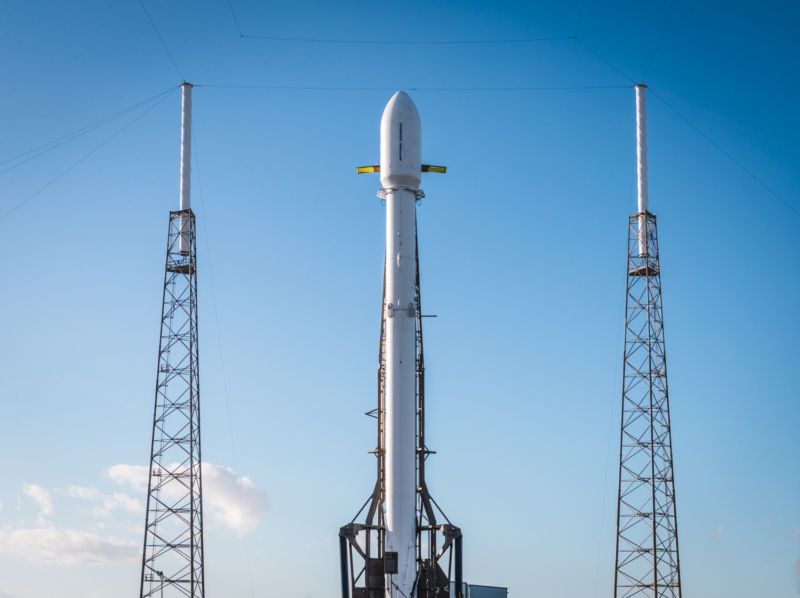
{"x":400,"y":172}
{"x":408,"y":552}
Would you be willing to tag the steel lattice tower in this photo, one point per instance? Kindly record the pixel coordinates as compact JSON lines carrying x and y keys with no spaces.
{"x":172,"y":558}
{"x":647,"y":561}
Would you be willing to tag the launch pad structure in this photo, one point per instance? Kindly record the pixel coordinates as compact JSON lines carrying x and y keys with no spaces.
{"x":401,"y":544}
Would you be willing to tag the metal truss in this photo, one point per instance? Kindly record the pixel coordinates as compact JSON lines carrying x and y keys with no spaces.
{"x":647,"y":562}
{"x":365,"y":567}
{"x":172,"y":559}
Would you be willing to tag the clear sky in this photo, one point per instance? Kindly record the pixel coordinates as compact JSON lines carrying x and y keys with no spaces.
{"x":522,"y":246}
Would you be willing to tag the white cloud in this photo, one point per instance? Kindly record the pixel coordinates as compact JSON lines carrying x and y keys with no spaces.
{"x":40,"y":495}
{"x":118,"y":501}
{"x":134,"y":476}
{"x":229,"y":500}
{"x":84,"y":492}
{"x":1,"y":510}
{"x":65,"y":546}
{"x":108,"y":503}
{"x":232,"y":501}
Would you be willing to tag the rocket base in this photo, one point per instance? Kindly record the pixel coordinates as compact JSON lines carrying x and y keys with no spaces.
{"x":367,"y":569}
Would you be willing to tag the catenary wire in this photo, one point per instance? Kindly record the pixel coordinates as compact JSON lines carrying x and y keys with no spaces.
{"x":726,"y":153}
{"x":48,"y":147}
{"x":398,"y":42}
{"x":700,"y":132}
{"x":359,"y":88}
{"x":579,"y":22}
{"x":404,"y":42}
{"x":161,"y":39}
{"x":661,"y":34}
{"x":235,"y":18}
{"x":214,"y":304}
{"x":85,"y":157}
{"x":605,"y":60}
{"x":613,"y":414}
{"x":574,"y":37}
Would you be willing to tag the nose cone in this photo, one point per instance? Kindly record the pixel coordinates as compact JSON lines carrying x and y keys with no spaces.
{"x":401,"y":141}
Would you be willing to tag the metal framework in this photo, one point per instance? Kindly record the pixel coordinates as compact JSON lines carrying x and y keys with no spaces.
{"x":365,"y":566}
{"x":172,"y":558}
{"x":647,"y":561}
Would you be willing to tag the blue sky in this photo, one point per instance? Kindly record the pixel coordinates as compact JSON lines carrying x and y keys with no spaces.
{"x":523,"y":248}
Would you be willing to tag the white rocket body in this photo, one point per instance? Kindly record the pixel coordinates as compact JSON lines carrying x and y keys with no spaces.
{"x":400,"y":170}
{"x":641,"y":167}
{"x":186,"y":167}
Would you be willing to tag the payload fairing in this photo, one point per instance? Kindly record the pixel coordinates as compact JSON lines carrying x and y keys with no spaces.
{"x":401,"y":549}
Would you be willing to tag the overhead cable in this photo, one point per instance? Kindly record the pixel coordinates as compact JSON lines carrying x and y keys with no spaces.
{"x":605,"y":60}
{"x":726,"y":153}
{"x":662,"y":31}
{"x":386,"y":42}
{"x":406,"y":42}
{"x":85,"y":157}
{"x":45,"y":148}
{"x":235,"y":18}
{"x":700,"y":132}
{"x":161,"y":39}
{"x":359,"y":88}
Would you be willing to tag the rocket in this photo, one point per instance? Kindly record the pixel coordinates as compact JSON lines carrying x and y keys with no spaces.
{"x":407,"y":548}
{"x":400,"y":171}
